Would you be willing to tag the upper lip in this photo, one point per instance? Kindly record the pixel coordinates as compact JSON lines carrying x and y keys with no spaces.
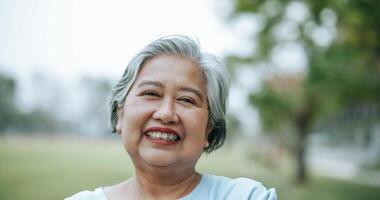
{"x":163,"y":129}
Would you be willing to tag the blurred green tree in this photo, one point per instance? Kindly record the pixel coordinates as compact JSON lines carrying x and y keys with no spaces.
{"x":96,"y":91}
{"x":341,"y":40}
{"x":8,"y":111}
{"x":12,"y":119}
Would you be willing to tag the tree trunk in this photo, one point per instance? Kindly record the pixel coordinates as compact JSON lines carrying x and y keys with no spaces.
{"x":303,"y":122}
{"x":301,"y":176}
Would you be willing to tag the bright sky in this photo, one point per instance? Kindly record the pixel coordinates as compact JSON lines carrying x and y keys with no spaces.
{"x":70,"y":37}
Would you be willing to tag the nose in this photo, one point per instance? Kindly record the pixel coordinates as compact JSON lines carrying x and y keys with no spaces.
{"x":166,"y":112}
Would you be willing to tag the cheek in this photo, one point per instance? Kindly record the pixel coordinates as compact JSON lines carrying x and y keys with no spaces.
{"x":132,"y":129}
{"x":196,"y":122}
{"x":136,"y":110}
{"x":136,"y":114}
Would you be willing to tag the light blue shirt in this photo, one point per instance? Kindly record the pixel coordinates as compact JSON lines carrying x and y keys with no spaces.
{"x":220,"y":187}
{"x":210,"y":187}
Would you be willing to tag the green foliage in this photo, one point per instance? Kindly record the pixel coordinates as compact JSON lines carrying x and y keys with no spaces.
{"x":35,"y":121}
{"x":341,"y":73}
{"x":273,"y":108}
{"x":8,"y":111}
{"x":344,"y":73}
{"x":12,"y":119}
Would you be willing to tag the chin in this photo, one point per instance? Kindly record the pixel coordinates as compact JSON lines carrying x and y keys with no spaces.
{"x":159,"y":158}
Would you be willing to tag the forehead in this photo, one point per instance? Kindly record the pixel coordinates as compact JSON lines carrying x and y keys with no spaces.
{"x":172,"y":69}
{"x":171,"y":62}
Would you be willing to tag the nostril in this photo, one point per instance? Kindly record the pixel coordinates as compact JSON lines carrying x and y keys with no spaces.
{"x":165,"y":117}
{"x":166,"y":113}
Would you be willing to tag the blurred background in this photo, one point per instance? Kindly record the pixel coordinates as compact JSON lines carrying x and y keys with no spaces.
{"x":304,"y":109}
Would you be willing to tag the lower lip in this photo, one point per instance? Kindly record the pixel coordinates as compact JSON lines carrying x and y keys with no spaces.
{"x":160,"y":141}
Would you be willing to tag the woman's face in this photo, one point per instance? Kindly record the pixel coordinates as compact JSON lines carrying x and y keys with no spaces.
{"x":164,"y":119}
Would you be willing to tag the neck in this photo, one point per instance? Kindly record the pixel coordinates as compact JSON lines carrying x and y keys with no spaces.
{"x":164,"y":183}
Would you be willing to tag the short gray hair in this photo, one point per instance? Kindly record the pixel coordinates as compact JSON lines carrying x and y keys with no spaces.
{"x":212,"y":68}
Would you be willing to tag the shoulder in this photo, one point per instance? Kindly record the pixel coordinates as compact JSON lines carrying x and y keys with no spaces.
{"x":97,"y":194}
{"x":240,"y":188}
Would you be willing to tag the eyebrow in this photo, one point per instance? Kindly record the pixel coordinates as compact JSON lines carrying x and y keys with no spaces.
{"x":185,"y":88}
{"x":154,"y":83}
{"x":193,"y":90}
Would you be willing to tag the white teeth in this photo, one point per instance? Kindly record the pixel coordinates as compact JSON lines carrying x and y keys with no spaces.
{"x":162,"y":135}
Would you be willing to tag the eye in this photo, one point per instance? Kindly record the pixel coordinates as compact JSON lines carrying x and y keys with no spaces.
{"x":150,"y":93}
{"x":186,"y":100}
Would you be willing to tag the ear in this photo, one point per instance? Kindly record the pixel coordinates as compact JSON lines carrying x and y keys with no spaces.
{"x":208,"y":131}
{"x":119,"y":123}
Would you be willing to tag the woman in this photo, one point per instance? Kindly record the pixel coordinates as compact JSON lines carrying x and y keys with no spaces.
{"x":169,"y":107}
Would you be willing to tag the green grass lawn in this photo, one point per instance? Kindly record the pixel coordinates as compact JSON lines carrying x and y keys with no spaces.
{"x":54,"y":168}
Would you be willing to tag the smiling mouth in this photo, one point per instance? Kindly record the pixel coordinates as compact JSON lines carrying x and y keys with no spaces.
{"x":157,"y":135}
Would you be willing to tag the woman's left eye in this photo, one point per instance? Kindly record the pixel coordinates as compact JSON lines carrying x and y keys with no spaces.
{"x":186,"y":100}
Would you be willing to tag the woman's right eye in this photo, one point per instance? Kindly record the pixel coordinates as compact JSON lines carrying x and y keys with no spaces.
{"x":150,"y":93}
